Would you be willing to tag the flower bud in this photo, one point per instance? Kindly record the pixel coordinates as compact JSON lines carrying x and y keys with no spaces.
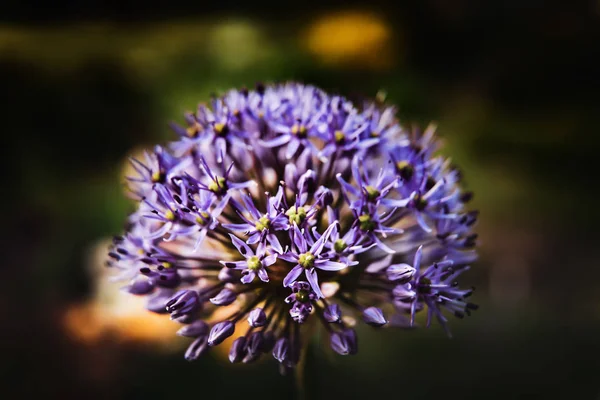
{"x":220,"y":332}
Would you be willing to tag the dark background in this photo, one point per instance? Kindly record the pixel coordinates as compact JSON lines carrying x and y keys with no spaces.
{"x":513,"y":85}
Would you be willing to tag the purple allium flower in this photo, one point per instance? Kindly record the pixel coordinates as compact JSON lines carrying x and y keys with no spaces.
{"x":261,"y":226}
{"x":301,"y":299}
{"x":336,"y":209}
{"x":255,"y":263}
{"x":308,"y":259}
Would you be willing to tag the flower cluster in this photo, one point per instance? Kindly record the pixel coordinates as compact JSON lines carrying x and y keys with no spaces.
{"x":287,"y":206}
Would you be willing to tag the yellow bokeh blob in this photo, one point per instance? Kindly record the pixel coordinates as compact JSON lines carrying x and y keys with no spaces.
{"x":351,"y":38}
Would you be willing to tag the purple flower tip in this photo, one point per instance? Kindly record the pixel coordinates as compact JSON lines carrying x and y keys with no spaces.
{"x":332,"y":313}
{"x":374,"y":316}
{"x":255,"y":344}
{"x":400,"y":272}
{"x":224,"y":298}
{"x":196,"y":349}
{"x":184,"y":303}
{"x":339,"y":343}
{"x":220,"y":332}
{"x":351,"y":339}
{"x":236,"y":353}
{"x":140,"y":287}
{"x":257,"y":318}
{"x":280,"y":350}
{"x":195,"y":329}
{"x":404,"y":292}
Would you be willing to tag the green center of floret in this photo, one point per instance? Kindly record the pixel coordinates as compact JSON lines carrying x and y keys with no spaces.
{"x":254,"y":263}
{"x":372,"y":193}
{"x":263,"y":223}
{"x":405,"y":169}
{"x":339,"y":136}
{"x":306,"y":260}
{"x":366,"y":223}
{"x":339,"y":246}
{"x":299,"y":131}
{"x":203,"y":218}
{"x":219,"y":185}
{"x":302,"y":296}
{"x":296,"y":214}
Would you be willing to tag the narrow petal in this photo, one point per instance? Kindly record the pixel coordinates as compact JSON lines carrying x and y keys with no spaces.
{"x":292,"y":276}
{"x":257,"y":318}
{"x":248,"y":277}
{"x":289,"y":257}
{"x":263,"y":276}
{"x":274,"y":242}
{"x":269,"y":260}
{"x":318,"y":246}
{"x":238,"y":227}
{"x":374,"y":316}
{"x":278,"y":141}
{"x":327,"y":265}
{"x":292,"y":148}
{"x":241,"y":246}
{"x":313,"y":279}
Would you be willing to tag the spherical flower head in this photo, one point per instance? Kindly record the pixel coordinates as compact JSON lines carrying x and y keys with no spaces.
{"x":286,"y":206}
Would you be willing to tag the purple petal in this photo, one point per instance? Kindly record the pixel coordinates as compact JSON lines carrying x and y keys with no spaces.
{"x":339,"y":344}
{"x":262,"y":275}
{"x":257,"y":318}
{"x":236,"y":352}
{"x":351,"y":339}
{"x":248,"y":277}
{"x":292,"y":275}
{"x":299,"y":239}
{"x":289,"y":257}
{"x":139,"y":287}
{"x":327,"y":265}
{"x":224,"y":298}
{"x":196,"y":349}
{"x":379,"y":265}
{"x":269,"y":260}
{"x":422,"y":223}
{"x":235,"y":264}
{"x":418,"y":256}
{"x":374,"y":316}
{"x":311,"y":275}
{"x":274,"y":242}
{"x":220,"y":332}
{"x":332,"y":313}
{"x":195,"y":329}
{"x":400,"y":272}
{"x":318,"y":246}
{"x":241,"y":246}
{"x":278,"y":141}
{"x":238,"y":227}
{"x":292,"y":148}
{"x":404,"y":292}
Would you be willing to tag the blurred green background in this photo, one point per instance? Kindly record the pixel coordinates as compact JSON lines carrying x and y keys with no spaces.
{"x":513,"y":86}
